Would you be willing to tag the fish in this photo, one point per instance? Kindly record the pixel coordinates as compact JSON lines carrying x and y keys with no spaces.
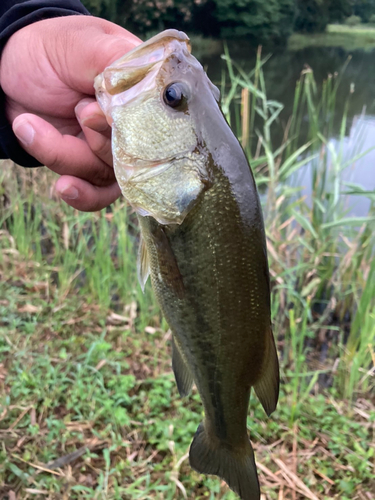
{"x":181,"y":168}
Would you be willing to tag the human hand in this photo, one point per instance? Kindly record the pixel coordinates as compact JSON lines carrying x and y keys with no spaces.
{"x":47,"y":72}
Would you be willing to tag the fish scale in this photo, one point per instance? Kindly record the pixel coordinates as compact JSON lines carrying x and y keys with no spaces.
{"x":153,"y":139}
{"x":202,"y":241}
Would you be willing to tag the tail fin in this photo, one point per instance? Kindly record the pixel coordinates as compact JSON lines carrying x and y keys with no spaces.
{"x":235,"y":466}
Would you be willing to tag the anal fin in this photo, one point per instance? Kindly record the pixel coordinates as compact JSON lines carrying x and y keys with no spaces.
{"x":267,"y":387}
{"x":182,"y":373}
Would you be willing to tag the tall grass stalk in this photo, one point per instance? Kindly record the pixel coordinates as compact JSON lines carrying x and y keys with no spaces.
{"x":321,"y":258}
{"x":357,"y":363}
{"x":314,"y":285}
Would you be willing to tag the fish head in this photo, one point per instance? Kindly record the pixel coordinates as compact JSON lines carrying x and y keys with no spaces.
{"x":154,"y":98}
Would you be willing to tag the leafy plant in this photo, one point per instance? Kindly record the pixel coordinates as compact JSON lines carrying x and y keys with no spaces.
{"x":88,"y":404}
{"x":353,"y":20}
{"x":312,"y":16}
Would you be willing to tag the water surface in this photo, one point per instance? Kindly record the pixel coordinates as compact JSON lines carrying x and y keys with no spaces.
{"x":281,"y":73}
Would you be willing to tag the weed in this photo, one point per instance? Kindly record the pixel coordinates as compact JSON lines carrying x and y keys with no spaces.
{"x":88,"y":403}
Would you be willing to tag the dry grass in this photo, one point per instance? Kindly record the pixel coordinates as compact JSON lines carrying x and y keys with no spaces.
{"x":89,"y":407}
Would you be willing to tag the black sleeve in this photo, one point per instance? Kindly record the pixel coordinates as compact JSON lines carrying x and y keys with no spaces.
{"x":14,"y":15}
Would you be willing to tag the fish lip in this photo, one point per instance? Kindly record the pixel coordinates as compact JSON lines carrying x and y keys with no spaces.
{"x":139,"y":92}
{"x":162,"y":40}
{"x":151,"y":55}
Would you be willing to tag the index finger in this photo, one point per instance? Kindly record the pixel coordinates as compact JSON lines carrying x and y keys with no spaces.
{"x":64,"y":154}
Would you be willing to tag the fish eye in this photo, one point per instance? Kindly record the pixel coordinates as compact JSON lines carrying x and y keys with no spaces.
{"x":175,"y":95}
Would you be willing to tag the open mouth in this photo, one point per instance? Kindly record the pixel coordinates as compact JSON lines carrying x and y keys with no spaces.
{"x":135,"y":74}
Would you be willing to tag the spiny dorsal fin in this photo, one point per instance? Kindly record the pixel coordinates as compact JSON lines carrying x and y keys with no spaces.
{"x":182,"y":374}
{"x":143,"y":264}
{"x":267,"y":387}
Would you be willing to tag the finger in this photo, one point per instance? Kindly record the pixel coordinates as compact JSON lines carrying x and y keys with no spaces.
{"x":84,"y":196}
{"x":99,"y":142}
{"x":92,"y":48}
{"x":64,"y":154}
{"x":88,"y":113}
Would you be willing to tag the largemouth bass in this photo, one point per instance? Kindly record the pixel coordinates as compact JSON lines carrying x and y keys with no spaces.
{"x":181,"y":168}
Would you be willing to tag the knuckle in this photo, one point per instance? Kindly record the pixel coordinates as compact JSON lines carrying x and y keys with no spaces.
{"x":51,"y":159}
{"x":101,"y":147}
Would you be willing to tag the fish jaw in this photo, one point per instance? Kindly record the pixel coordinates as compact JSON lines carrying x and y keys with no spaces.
{"x":135,"y":73}
{"x":147,"y":189}
{"x":153,"y":145}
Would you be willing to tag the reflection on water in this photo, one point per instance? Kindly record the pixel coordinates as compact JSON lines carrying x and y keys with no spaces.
{"x":362,"y":171}
{"x":284,"y":69}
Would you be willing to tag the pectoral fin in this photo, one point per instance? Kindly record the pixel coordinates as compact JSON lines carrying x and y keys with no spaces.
{"x":182,"y":374}
{"x":167,"y":261}
{"x":143,"y":264}
{"x":267,"y":387}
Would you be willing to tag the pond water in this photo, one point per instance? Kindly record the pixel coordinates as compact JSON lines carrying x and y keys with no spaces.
{"x":361,"y":138}
{"x":281,"y":73}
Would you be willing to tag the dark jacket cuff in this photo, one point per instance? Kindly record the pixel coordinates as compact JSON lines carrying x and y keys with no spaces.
{"x":13,"y":18}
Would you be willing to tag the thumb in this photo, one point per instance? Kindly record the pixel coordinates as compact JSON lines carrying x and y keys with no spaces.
{"x":90,"y":45}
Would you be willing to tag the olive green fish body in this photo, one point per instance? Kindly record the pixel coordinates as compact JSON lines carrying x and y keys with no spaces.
{"x":224,"y":307}
{"x":203,"y":244}
{"x":221,"y":320}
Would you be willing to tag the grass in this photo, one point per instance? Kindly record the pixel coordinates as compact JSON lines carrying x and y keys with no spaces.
{"x":363,"y":29}
{"x":90,"y":409}
{"x":320,"y":258}
{"x":350,"y":38}
{"x":88,"y":403}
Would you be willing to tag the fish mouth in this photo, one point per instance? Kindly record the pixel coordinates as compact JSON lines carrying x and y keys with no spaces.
{"x":135,"y":72}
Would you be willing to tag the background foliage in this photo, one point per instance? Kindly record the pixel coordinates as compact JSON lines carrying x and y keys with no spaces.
{"x":311,"y":15}
{"x":364,"y":9}
{"x":260,"y":21}
{"x":89,"y":408}
{"x":268,"y":22}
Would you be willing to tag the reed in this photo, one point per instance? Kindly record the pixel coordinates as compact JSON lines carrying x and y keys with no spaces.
{"x":320,"y":259}
{"x":85,"y":355}
{"x":318,"y":254}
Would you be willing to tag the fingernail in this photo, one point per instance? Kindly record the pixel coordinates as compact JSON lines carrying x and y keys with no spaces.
{"x":24,"y":132}
{"x":82,"y":104}
{"x":69,"y":193}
